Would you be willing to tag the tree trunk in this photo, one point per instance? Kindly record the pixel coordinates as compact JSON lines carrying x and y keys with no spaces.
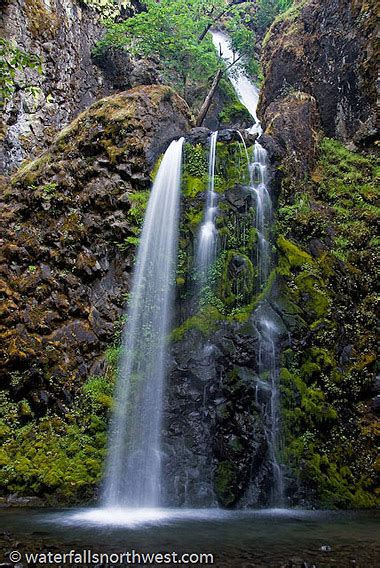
{"x":229,"y":6}
{"x":206,"y":103}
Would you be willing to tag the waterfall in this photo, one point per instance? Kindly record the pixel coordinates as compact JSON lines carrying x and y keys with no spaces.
{"x":270,"y":408}
{"x":267,"y":357}
{"x":207,"y":236}
{"x":133,"y":467}
{"x":258,"y":183}
{"x":246,"y":91}
{"x":267,"y":328}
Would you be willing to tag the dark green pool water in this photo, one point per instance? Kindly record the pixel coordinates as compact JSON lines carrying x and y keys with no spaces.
{"x":244,"y":539}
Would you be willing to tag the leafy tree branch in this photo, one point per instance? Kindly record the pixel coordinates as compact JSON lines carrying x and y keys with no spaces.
{"x":13,"y":61}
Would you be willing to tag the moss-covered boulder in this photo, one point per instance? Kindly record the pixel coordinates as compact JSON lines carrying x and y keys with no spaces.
{"x":71,"y":222}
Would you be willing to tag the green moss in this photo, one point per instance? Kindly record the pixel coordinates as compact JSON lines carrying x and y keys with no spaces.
{"x":56,"y":457}
{"x":231,"y":166}
{"x":225,"y":477}
{"x":329,"y":438}
{"x":289,"y":15}
{"x":99,"y":390}
{"x":294,"y":256}
{"x":41,"y":22}
{"x":241,"y":314}
{"x":139,"y":201}
{"x":193,"y":217}
{"x":30,"y":172}
{"x":206,"y":321}
{"x":234,"y":112}
{"x":194,"y":185}
{"x":348,"y":182}
{"x":51,"y":457}
{"x":236,"y":288}
{"x":313,"y":295}
{"x":156,"y":167}
{"x":195,"y":170}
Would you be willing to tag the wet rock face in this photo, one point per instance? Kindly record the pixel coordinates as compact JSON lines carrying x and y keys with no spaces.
{"x":292,"y":126}
{"x":67,"y":257}
{"x":327,"y":50}
{"x":215,"y":442}
{"x":62,"y":33}
{"x":215,"y":436}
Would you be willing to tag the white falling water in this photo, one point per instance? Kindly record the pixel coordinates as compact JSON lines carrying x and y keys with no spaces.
{"x":248,"y":94}
{"x":268,"y":363}
{"x":258,"y":181}
{"x":208,"y":233}
{"x":246,"y":91}
{"x":133,"y":467}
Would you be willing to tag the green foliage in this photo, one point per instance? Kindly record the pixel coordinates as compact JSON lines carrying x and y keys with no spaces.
{"x":268,"y":11}
{"x":329,"y":437}
{"x":128,"y":242}
{"x":168,"y":30}
{"x":139,"y":201}
{"x":99,"y":391}
{"x":195,"y":160}
{"x":195,"y":170}
{"x":108,"y":9}
{"x":243,"y":41}
{"x":13,"y":64}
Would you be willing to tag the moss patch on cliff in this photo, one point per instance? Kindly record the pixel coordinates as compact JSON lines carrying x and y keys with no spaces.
{"x":59,"y":456}
{"x":327,"y":256}
{"x":41,"y":21}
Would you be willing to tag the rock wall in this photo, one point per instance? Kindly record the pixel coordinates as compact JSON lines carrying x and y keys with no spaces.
{"x":328,"y":50}
{"x":319,"y":66}
{"x":71,"y":221}
{"x":62,"y":33}
{"x":215,"y":442}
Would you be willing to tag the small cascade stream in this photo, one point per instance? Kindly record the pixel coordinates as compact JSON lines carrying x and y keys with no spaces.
{"x":246,"y":91}
{"x":133,"y":469}
{"x":267,"y":358}
{"x":208,"y":234}
{"x":258,"y":183}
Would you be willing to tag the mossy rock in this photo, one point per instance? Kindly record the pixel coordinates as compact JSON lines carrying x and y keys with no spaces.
{"x":224,"y":483}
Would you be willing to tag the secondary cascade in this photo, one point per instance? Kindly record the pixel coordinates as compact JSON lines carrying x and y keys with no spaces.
{"x":267,"y":357}
{"x":208,"y":233}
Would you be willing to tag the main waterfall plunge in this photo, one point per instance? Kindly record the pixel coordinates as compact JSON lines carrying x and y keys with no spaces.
{"x":134,"y":455}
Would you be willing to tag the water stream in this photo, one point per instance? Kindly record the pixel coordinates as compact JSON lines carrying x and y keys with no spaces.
{"x":267,"y":359}
{"x":133,"y":468}
{"x":246,"y":91}
{"x":208,"y":233}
